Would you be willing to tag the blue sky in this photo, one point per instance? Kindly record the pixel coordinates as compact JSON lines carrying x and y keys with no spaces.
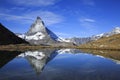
{"x":66,"y":18}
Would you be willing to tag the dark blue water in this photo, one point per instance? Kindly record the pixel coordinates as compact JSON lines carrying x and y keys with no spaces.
{"x":57,"y":66}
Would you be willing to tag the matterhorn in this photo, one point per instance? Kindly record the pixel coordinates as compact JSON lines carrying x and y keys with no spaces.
{"x":38,"y":34}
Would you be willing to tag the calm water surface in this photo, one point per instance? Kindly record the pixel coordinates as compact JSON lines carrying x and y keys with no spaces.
{"x":63,"y":64}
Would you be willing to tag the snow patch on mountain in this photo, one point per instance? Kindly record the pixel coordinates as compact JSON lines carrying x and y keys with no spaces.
{"x":36,"y":36}
{"x":64,"y":40}
{"x":21,"y":35}
{"x":116,"y":30}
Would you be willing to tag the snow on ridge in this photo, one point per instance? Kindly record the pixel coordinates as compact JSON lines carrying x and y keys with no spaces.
{"x":64,"y":40}
{"x":36,"y":36}
{"x":21,"y":36}
{"x":116,"y":30}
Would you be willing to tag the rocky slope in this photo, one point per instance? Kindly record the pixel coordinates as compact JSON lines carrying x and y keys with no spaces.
{"x":8,"y":37}
{"x":110,"y":42}
{"x":78,"y":41}
{"x":116,"y":30}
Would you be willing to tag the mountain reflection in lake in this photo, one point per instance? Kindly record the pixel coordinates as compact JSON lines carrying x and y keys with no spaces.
{"x":62,"y":64}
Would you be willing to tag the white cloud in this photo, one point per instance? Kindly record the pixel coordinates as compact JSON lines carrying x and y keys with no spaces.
{"x":88,"y":24}
{"x":15,"y":18}
{"x":48,"y":17}
{"x":87,"y":20}
{"x":33,"y":2}
{"x":88,"y":2}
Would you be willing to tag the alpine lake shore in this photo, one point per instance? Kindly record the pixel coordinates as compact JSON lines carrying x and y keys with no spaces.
{"x":106,"y":52}
{"x":25,"y":47}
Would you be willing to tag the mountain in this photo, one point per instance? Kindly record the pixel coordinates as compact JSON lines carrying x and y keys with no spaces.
{"x":38,"y":34}
{"x":116,"y":30}
{"x":8,"y":37}
{"x":39,"y":30}
{"x":79,"y":41}
{"x":110,"y":42}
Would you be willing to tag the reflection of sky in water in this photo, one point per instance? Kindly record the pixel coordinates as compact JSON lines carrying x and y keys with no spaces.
{"x":63,"y":66}
{"x":80,"y":66}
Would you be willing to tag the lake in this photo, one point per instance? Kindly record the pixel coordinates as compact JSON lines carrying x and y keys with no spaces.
{"x":60,"y":64}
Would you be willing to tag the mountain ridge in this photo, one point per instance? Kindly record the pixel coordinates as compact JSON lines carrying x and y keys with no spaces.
{"x":78,"y":41}
{"x":111,"y":42}
{"x":39,"y":34}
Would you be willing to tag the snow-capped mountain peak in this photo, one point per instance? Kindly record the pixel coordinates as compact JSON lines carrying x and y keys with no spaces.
{"x":116,"y":30}
{"x":36,"y":36}
{"x":39,"y":34}
{"x":37,"y":26}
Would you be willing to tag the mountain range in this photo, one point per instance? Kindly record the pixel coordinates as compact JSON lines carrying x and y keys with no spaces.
{"x":109,"y":40}
{"x":39,"y":34}
{"x":79,"y":41}
{"x":116,"y":30}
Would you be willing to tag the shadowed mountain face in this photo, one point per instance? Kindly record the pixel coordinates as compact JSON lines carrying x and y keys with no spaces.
{"x":8,"y":37}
